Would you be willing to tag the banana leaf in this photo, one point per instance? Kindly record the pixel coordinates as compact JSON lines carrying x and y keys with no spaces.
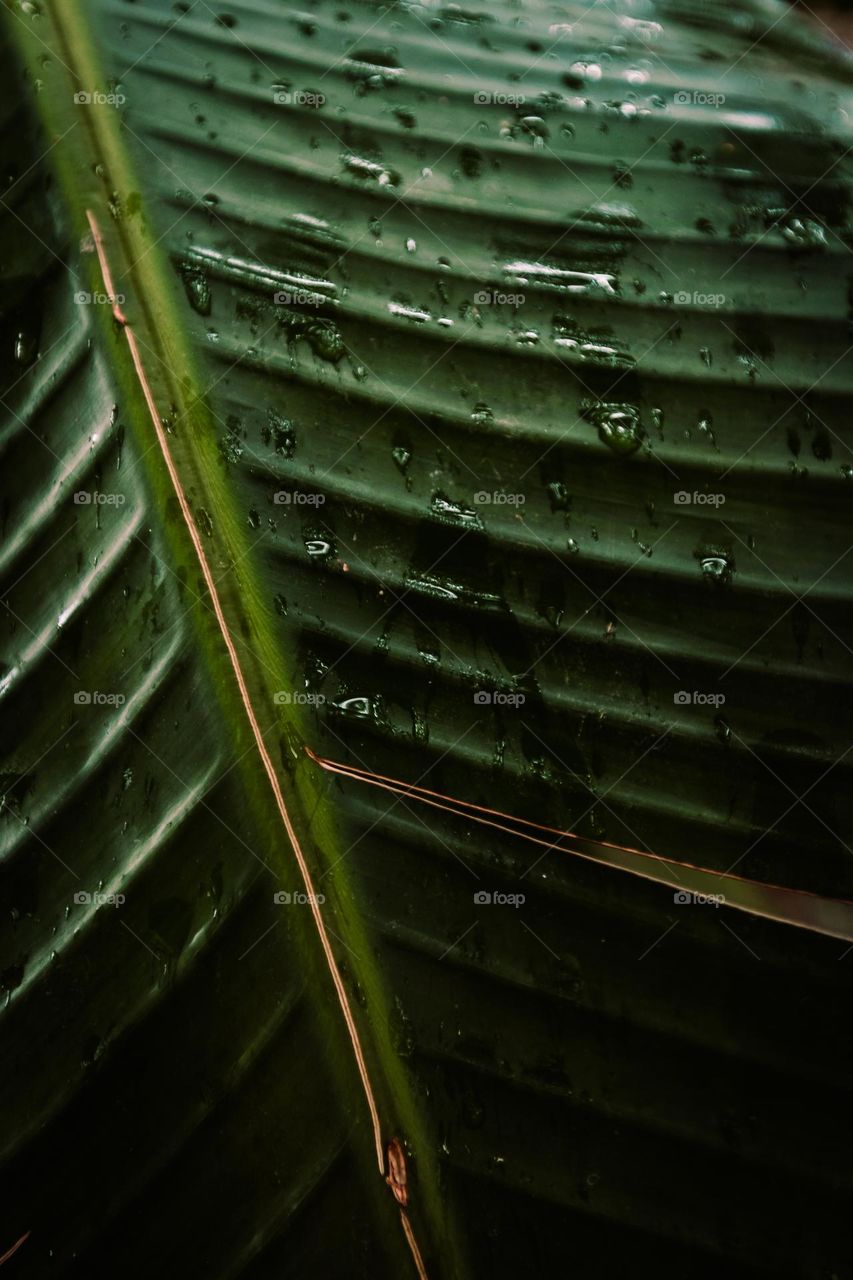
{"x":426,"y":463}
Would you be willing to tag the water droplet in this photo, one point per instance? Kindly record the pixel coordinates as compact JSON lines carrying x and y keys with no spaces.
{"x":558,"y":496}
{"x":402,"y":457}
{"x":482,"y":414}
{"x":326,"y":341}
{"x":280,"y":434}
{"x":197,"y":289}
{"x":706,"y":426}
{"x":319,"y":547}
{"x":26,"y":346}
{"x":231,"y":444}
{"x":586,"y":71}
{"x":361,"y":167}
{"x":618,"y":425}
{"x":450,"y":512}
{"x":359,"y":707}
{"x":535,"y":128}
{"x":716,"y":566}
{"x":805,"y":233}
{"x":429,"y":653}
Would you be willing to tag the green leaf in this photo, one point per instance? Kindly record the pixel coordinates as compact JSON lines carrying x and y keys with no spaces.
{"x":342,"y":559}
{"x":146,"y":783}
